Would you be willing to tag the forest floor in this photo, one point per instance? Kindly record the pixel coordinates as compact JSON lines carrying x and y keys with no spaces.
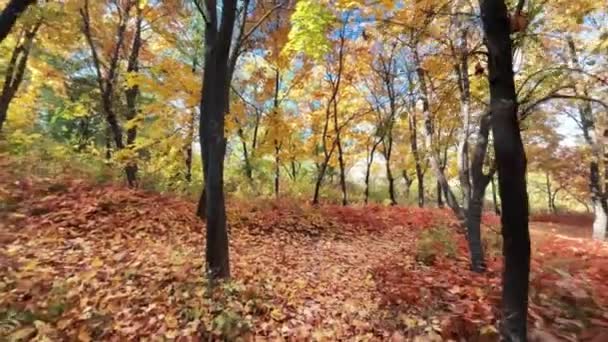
{"x":80,"y":261}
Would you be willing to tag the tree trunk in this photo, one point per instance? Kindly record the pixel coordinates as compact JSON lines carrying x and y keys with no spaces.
{"x":451,"y":200}
{"x":408,"y":184}
{"x":473,"y":223}
{"x":9,"y":15}
{"x":598,"y":196}
{"x":388,"y":149}
{"x":16,"y":70}
{"x":107,"y":82}
{"x":131,"y":96}
{"x":439,"y":196}
{"x":368,"y":168}
{"x":511,"y":164}
{"x":216,"y":85}
{"x":342,"y":172}
{"x":277,"y":169}
{"x":599,"y":203}
{"x":417,"y":160}
{"x":550,"y":206}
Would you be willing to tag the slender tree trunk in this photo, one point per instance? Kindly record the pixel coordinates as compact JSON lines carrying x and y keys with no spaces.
{"x":9,"y":15}
{"x":333,"y":103}
{"x":277,"y":169}
{"x":216,"y":85}
{"x":408,"y":184}
{"x":107,"y":82}
{"x":439,"y":196}
{"x":451,"y":200}
{"x":16,"y":70}
{"x":368,"y":168}
{"x":549,"y":193}
{"x":511,"y":164}
{"x":342,"y":172}
{"x":388,"y":149}
{"x":598,"y":196}
{"x":417,"y":160}
{"x":599,"y":203}
{"x":131,"y":96}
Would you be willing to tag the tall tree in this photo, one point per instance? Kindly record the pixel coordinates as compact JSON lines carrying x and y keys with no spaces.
{"x":511,"y":165}
{"x":16,"y":69}
{"x":107,"y":73}
{"x":9,"y":15}
{"x":219,"y":26}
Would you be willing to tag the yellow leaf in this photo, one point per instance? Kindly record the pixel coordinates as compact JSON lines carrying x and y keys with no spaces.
{"x":22,"y":334}
{"x":171,"y":321}
{"x":97,"y":262}
{"x":31,"y":265}
{"x":83,"y":335}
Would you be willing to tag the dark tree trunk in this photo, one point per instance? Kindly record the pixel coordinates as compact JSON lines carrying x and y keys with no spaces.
{"x":214,"y":103}
{"x":511,"y":165}
{"x":277,"y":168}
{"x":368,"y":167}
{"x":131,"y":96}
{"x":107,"y":81}
{"x":9,"y":15}
{"x":188,"y":161}
{"x":417,"y":160}
{"x":16,"y":70}
{"x":439,"y":196}
{"x":342,"y":172}
{"x":332,"y":104}
{"x":388,"y":151}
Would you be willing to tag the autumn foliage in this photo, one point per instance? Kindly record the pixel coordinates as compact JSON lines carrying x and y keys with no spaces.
{"x":81,"y":261}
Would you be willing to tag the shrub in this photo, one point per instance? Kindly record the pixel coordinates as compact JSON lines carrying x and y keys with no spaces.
{"x":433,"y":243}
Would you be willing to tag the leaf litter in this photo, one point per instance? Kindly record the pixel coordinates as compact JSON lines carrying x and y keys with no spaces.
{"x":87,"y":262}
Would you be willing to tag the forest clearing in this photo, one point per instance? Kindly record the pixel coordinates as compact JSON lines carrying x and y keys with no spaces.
{"x":303,"y":170}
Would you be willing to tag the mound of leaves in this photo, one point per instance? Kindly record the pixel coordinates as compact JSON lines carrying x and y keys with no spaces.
{"x":568,"y":293}
{"x":270,"y":217}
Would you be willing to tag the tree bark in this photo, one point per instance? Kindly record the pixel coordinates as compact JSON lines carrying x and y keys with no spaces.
{"x":9,"y":15}
{"x":439,"y":196}
{"x":417,"y":160}
{"x":131,"y":95}
{"x":368,"y":167}
{"x":332,"y":105}
{"x":387,"y":151}
{"x":599,"y":200}
{"x":214,"y":103}
{"x":511,"y":164}
{"x":107,"y":81}
{"x":16,"y":70}
{"x":451,"y":200}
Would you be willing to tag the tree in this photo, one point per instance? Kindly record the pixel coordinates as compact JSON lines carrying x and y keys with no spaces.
{"x":219,"y":25}
{"x":511,"y":165}
{"x":16,"y":68}
{"x":108,"y":72}
{"x":9,"y":15}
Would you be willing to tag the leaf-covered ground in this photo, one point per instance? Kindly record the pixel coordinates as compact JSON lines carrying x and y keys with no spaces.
{"x":101,"y":262}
